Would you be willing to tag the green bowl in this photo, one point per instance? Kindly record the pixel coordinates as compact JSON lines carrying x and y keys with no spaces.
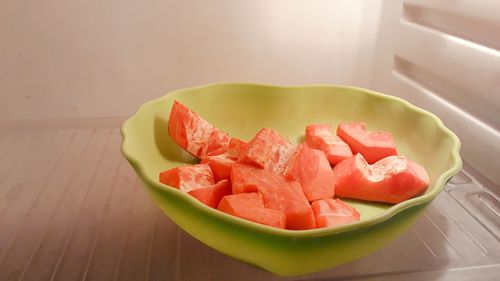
{"x":243,"y":109}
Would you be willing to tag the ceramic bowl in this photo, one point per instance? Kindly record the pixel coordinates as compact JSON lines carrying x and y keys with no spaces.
{"x":243,"y":109}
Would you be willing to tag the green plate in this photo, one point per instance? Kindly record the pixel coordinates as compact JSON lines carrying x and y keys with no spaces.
{"x":243,"y":109}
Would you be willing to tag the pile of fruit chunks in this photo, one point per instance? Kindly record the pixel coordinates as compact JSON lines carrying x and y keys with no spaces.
{"x":269,"y":180}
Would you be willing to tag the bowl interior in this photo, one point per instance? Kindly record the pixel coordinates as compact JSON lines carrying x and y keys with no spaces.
{"x":243,"y":109}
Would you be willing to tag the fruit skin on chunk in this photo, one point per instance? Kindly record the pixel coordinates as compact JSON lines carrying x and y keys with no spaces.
{"x":312,"y":170}
{"x":221,"y":164}
{"x":211,"y":195}
{"x":319,"y":136}
{"x":251,"y":207}
{"x":195,"y":134}
{"x":392,"y":180}
{"x":372,"y":145}
{"x":333,"y":212}
{"x":268,"y":150}
{"x":277,"y":193}
{"x":187,"y":178}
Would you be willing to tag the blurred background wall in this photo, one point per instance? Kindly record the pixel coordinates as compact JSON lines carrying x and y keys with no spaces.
{"x":69,"y":59}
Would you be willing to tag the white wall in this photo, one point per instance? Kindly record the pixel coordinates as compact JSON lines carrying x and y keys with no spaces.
{"x":66,"y":59}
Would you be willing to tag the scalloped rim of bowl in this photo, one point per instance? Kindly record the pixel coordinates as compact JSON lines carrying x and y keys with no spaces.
{"x":387,"y":214}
